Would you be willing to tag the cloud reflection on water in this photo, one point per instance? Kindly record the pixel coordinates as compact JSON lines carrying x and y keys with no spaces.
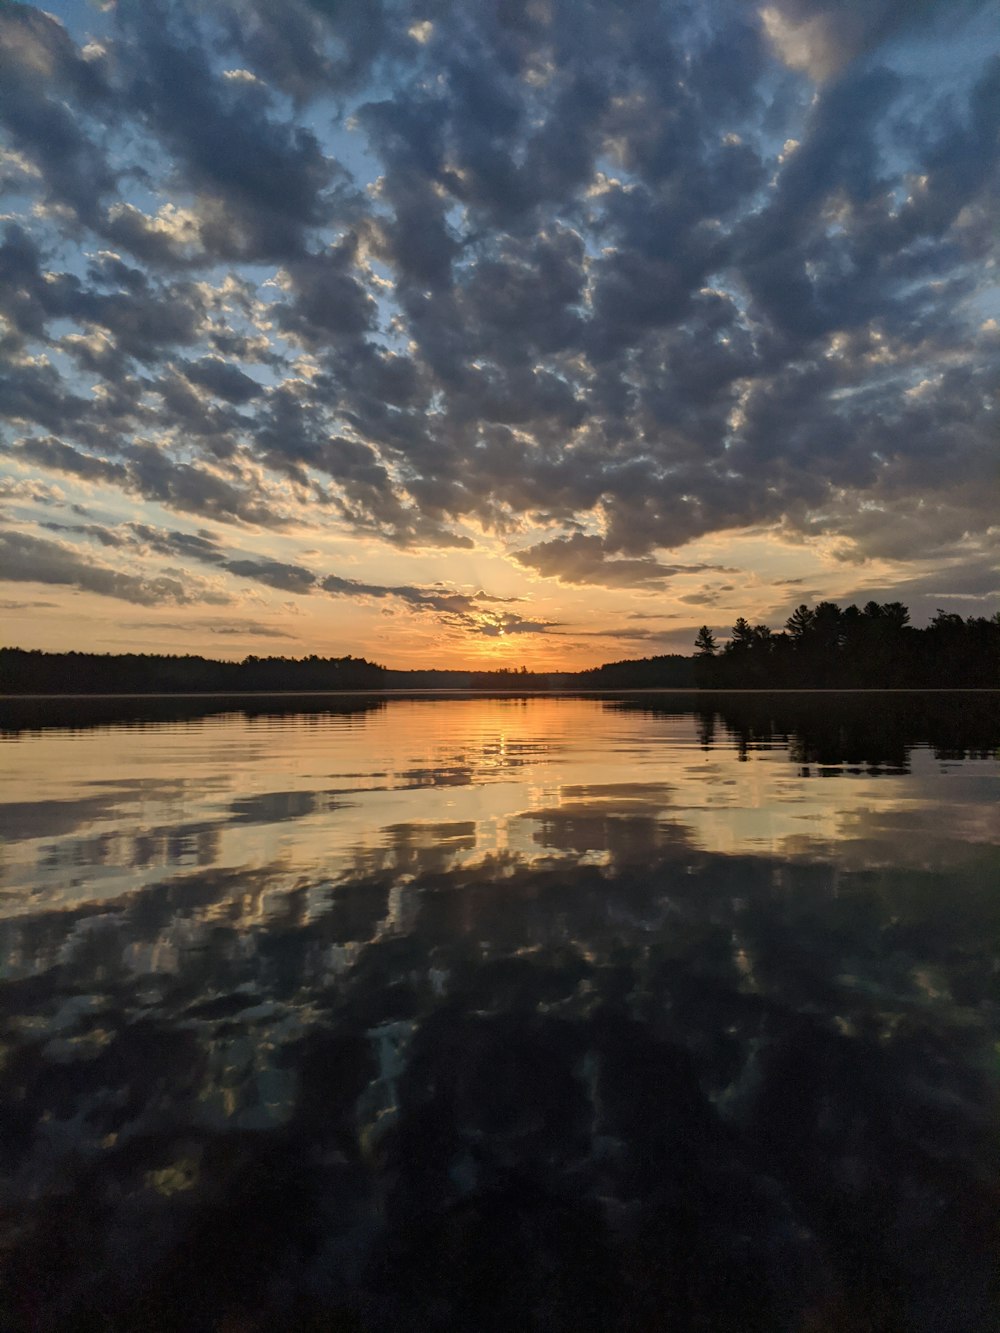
{"x":590,"y":1021}
{"x":313,"y":789}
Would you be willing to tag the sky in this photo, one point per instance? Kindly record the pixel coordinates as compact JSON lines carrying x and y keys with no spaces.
{"x":515,"y":332}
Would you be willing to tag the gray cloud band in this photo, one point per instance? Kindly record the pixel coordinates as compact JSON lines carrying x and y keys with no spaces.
{"x":26,"y":558}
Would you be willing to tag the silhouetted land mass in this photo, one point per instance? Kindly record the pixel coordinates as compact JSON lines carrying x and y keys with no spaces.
{"x":874,"y":647}
{"x":35,"y":672}
{"x":821,"y":647}
{"x":646,"y":673}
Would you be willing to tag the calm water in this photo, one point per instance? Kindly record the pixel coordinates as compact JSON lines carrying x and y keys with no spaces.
{"x":558,"y":1013}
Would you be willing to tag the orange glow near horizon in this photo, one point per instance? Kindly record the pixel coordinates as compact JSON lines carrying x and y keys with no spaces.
{"x":441,"y":620}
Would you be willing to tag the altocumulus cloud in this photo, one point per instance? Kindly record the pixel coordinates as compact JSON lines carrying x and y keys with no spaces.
{"x":30,"y":558}
{"x":596,"y":278}
{"x":583,"y":559}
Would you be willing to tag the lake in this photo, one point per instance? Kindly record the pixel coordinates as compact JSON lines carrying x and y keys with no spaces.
{"x":641,"y":1011}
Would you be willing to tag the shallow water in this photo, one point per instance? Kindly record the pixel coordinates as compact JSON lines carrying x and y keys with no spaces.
{"x":640,"y":1011}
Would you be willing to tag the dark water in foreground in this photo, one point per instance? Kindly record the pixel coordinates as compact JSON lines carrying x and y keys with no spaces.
{"x":559,"y":1013}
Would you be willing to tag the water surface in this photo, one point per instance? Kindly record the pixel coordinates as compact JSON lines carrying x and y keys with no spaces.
{"x":644,"y":1011}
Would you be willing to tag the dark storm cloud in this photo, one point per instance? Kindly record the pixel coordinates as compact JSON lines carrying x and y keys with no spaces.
{"x":189,"y":414}
{"x":27,"y":559}
{"x":622,"y":267}
{"x":524,"y":301}
{"x":290,"y":434}
{"x":415,"y":239}
{"x":801,"y":281}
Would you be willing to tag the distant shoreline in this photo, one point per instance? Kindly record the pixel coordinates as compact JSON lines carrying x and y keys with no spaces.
{"x":821,"y":649}
{"x":538,"y":693}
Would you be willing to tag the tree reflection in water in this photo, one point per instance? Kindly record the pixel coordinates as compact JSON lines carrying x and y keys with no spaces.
{"x":661,"y":1087}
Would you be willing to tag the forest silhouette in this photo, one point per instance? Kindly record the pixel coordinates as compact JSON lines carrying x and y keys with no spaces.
{"x":873,"y":647}
{"x":820,"y":647}
{"x":35,"y":672}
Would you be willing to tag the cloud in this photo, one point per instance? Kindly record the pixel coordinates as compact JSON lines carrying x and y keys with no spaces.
{"x":141,"y":537}
{"x":27,"y":559}
{"x":140,"y":316}
{"x":237,"y":629}
{"x":224,"y":380}
{"x":469,"y":611}
{"x":259,"y":179}
{"x":59,"y":457}
{"x":820,"y":38}
{"x":554,"y":268}
{"x":275,"y":573}
{"x":329,"y":301}
{"x":498,"y":626}
{"x":479,"y":612}
{"x":969,"y":585}
{"x":200,"y":546}
{"x":41,"y":70}
{"x":250,"y":630}
{"x":674,"y":640}
{"x":311,"y":46}
{"x":149,"y":472}
{"x":585,"y":559}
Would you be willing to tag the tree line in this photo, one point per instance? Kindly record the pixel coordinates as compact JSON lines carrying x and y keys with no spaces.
{"x":666,"y":672}
{"x":820,"y":647}
{"x":871,"y":647}
{"x":33,"y":671}
{"x":25,"y":671}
